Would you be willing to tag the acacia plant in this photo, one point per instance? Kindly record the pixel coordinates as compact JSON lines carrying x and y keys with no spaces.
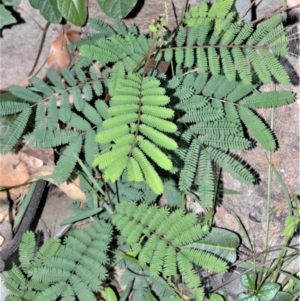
{"x":159,"y":133}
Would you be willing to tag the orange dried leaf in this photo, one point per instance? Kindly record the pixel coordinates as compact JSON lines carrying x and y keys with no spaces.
{"x":13,"y":171}
{"x":59,"y":56}
{"x":72,"y":35}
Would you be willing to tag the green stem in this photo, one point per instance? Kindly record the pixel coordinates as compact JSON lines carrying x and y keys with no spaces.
{"x":278,"y":263}
{"x":268,"y":214}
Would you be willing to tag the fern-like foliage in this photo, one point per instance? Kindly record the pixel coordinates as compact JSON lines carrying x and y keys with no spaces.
{"x":214,"y":32}
{"x":135,"y":128}
{"x":212,"y":125}
{"x":127,"y":46}
{"x":76,"y":267}
{"x":54,"y":102}
{"x":162,"y":242}
{"x":137,"y":133}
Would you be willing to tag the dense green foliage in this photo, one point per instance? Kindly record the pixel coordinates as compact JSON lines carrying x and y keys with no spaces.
{"x":158,"y":133}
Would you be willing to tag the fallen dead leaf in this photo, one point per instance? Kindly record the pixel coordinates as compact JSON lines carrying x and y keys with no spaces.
{"x":13,"y":171}
{"x":59,"y":56}
{"x":72,"y":35}
{"x":36,"y":157}
{"x":71,"y":189}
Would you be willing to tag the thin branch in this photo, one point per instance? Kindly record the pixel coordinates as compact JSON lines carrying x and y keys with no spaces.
{"x":247,"y":9}
{"x":40,"y":48}
{"x":277,"y":10}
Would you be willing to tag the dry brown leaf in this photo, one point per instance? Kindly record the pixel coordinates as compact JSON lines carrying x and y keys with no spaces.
{"x":29,"y":165}
{"x":37,"y":157}
{"x":13,"y":171}
{"x":72,"y":35}
{"x":59,"y":56}
{"x":71,"y":189}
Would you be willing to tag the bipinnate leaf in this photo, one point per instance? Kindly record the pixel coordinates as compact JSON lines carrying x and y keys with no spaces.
{"x":117,"y":9}
{"x":271,"y":99}
{"x":261,"y":132}
{"x":14,"y":131}
{"x":75,"y":11}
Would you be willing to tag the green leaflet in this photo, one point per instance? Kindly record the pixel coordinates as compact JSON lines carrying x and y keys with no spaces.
{"x":91,"y":114}
{"x":105,"y":159}
{"x":113,"y":171}
{"x":55,"y":80}
{"x":158,"y":137}
{"x":52,"y":138}
{"x":12,"y":107}
{"x":15,"y":131}
{"x":91,"y":148}
{"x":111,"y":134}
{"x":78,"y":100}
{"x":65,"y":112}
{"x":188,"y":172}
{"x":53,"y":113}
{"x":158,"y":123}
{"x":68,"y":76}
{"x":231,"y":165}
{"x":206,"y":181}
{"x":134,"y":171}
{"x":101,"y":26}
{"x":149,"y":172}
{"x":157,"y":111}
{"x":258,"y":128}
{"x":268,"y":99}
{"x":123,"y":109}
{"x":40,"y":122}
{"x":79,"y":123}
{"x":119,"y":120}
{"x":155,"y":154}
{"x":67,"y":161}
{"x":41,"y":86}
{"x":25,"y":94}
{"x":155,"y":100}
